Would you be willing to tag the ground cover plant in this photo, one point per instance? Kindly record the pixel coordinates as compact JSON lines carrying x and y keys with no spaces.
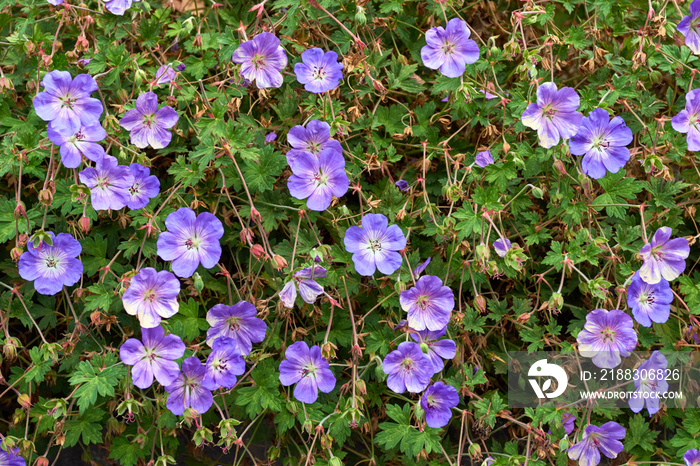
{"x":311,"y":231}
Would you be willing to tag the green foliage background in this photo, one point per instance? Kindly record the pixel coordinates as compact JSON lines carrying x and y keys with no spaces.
{"x":577,"y":236}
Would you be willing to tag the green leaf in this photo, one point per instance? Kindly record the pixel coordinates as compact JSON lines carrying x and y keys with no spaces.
{"x":402,"y":434}
{"x":260,"y":176}
{"x":95,"y":379}
{"x":126,"y":452}
{"x":88,"y":425}
{"x":639,"y":434}
{"x":618,"y":189}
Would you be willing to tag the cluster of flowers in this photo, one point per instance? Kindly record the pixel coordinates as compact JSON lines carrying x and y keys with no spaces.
{"x":319,"y":174}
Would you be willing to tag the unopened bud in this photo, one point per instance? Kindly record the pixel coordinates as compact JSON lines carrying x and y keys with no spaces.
{"x":198,"y":282}
{"x":480,"y":303}
{"x":538,"y":193}
{"x":24,"y":401}
{"x":474,"y":451}
{"x":41,"y":461}
{"x":335,"y":461}
{"x":559,"y":165}
{"x":45,"y":197}
{"x":257,"y":251}
{"x":247,"y":236}
{"x":9,"y":349}
{"x":563,"y":444}
{"x":280,"y":262}
{"x":378,"y":86}
{"x":309,"y":426}
{"x":316,"y":255}
{"x":556,"y":302}
{"x":16,"y":253}
{"x":84,"y":223}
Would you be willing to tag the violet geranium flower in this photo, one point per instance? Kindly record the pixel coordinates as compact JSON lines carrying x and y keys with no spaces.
{"x":692,"y":457}
{"x":663,"y":257}
{"x":305,"y":279}
{"x":502,"y":246}
{"x":449,"y":49}
{"x":602,"y":142}
{"x":308,"y":369}
{"x":165,"y":74}
{"x":318,"y":179}
{"x":188,"y":390}
{"x":689,"y":27}
{"x":650,"y":384}
{"x":314,"y":138}
{"x":262,"y":60}
{"x":606,"y":337}
{"x":408,"y":368}
{"x":152,"y":296}
{"x":437,"y":349}
{"x":11,"y":458}
{"x":437,"y":402}
{"x":687,"y":120}
{"x":402,"y":185}
{"x":649,"y":303}
{"x":191,"y":239}
{"x":375,"y":245}
{"x":109,"y":183}
{"x":428,"y":304}
{"x":223,"y":364}
{"x":148,"y":124}
{"x":52,"y":267}
{"x":66,"y":102}
{"x":605,"y":439}
{"x":421,"y":267}
{"x":119,"y":7}
{"x":144,"y":188}
{"x":153,"y":356}
{"x":484,"y":159}
{"x":567,"y":421}
{"x":237,"y":322}
{"x":554,"y":114}
{"x":319,"y":72}
{"x":84,"y":141}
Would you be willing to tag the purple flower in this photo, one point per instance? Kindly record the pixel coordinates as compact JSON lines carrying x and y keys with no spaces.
{"x":502,"y":246}
{"x":402,"y":185}
{"x":73,"y":144}
{"x":650,"y":384}
{"x":408,"y":368}
{"x":319,"y":72}
{"x":602,"y":142}
{"x":109,"y":183}
{"x":687,"y":120}
{"x":66,"y":102}
{"x":692,"y":457}
{"x":554,"y":115}
{"x":421,"y":267}
{"x":148,"y":124}
{"x":308,"y":369}
{"x":428,"y":304}
{"x":181,"y":66}
{"x":223,"y":364}
{"x":119,"y":7}
{"x":52,"y":267}
{"x":54,"y":3}
{"x":314,"y":138}
{"x":191,"y":239}
{"x":663,"y":257}
{"x":437,"y":402}
{"x":689,"y":27}
{"x":271,"y":136}
{"x":567,"y":421}
{"x":308,"y":288}
{"x":484,"y":159}
{"x":649,"y":303}
{"x":605,"y":439}
{"x":165,"y":74}
{"x":262,"y":60}
{"x":375,"y":245}
{"x":318,"y":179}
{"x":11,"y":458}
{"x":152,"y":296}
{"x":437,"y":349}
{"x":449,"y":49}
{"x":606,"y":336}
{"x":237,"y":322}
{"x":188,"y":390}
{"x":154,"y":357}
{"x":144,"y":188}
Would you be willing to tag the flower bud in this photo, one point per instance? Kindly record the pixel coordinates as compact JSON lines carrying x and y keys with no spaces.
{"x":316,"y":255}
{"x":5,"y":83}
{"x":480,"y":303}
{"x":9,"y":349}
{"x":202,"y":435}
{"x":41,"y":461}
{"x":24,"y":401}
{"x":424,"y":347}
{"x":483,"y":252}
{"x":84,"y":223}
{"x":418,"y":411}
{"x":563,"y":444}
{"x":257,"y":251}
{"x":556,"y":302}
{"x":474,"y":451}
{"x":309,"y":426}
{"x":247,"y":236}
{"x":280,"y":262}
{"x":198,"y":282}
{"x":293,"y":407}
{"x":16,"y":253}
{"x":335,"y":461}
{"x":45,"y":197}
{"x":559,"y":165}
{"x":538,"y":193}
